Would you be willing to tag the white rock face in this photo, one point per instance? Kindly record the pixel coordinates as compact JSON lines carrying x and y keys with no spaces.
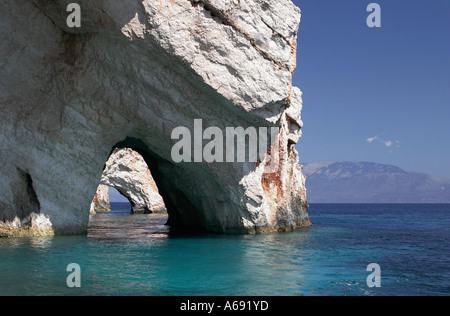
{"x":100,"y":202}
{"x":132,"y":73}
{"x":127,"y":172}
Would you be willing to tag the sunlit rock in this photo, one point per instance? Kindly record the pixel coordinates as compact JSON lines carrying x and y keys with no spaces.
{"x":100,"y":202}
{"x":133,"y":72}
{"x":127,"y":172}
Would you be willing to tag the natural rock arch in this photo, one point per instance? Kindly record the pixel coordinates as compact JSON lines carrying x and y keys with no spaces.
{"x":72,"y":93}
{"x":127,"y":172}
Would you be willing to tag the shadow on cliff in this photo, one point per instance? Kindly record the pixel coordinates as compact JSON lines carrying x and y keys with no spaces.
{"x":183,"y":215}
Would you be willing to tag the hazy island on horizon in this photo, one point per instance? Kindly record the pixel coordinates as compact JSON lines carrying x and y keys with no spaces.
{"x":369,"y":182}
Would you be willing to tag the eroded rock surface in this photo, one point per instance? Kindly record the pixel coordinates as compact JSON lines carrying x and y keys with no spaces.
{"x":100,"y":202}
{"x":127,"y":172}
{"x":132,"y":73}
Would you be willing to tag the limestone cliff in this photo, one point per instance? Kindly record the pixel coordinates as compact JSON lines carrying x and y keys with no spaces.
{"x":127,"y":172}
{"x":100,"y":202}
{"x":131,"y":74}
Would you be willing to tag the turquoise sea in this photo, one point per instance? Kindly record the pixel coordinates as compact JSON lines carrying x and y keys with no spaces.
{"x":127,"y":254}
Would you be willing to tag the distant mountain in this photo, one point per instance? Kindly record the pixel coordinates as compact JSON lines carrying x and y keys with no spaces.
{"x":366,"y":182}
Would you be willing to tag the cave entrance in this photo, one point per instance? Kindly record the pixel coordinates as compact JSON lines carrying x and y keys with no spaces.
{"x":127,"y":177}
{"x":180,"y":212}
{"x":127,"y":198}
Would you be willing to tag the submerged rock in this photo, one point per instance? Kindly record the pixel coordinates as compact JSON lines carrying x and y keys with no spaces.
{"x":132,"y":73}
{"x":127,"y":172}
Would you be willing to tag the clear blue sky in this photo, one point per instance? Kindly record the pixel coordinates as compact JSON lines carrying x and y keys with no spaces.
{"x":390,"y":85}
{"x":115,"y":196}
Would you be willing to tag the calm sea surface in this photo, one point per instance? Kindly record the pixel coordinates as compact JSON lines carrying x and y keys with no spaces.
{"x":127,"y":254}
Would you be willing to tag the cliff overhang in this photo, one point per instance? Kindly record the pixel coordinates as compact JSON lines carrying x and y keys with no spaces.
{"x":132,"y":73}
